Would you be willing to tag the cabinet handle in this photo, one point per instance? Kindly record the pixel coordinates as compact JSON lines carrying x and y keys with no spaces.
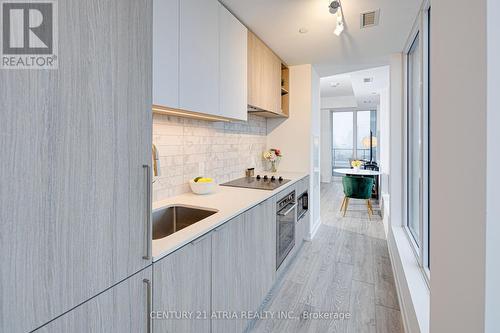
{"x":148,"y":306}
{"x":147,"y":256}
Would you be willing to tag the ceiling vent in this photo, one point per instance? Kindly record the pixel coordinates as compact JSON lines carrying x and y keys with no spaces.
{"x":370,"y":19}
{"x":368,"y":80}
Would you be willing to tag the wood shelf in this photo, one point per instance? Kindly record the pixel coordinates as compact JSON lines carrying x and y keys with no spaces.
{"x":285,"y":90}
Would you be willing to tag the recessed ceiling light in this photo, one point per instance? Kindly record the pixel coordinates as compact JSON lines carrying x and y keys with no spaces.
{"x":303,"y":30}
{"x":334,"y":84}
{"x":374,"y":93}
{"x":368,"y":79}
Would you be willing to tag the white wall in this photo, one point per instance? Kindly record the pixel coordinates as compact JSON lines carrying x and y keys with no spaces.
{"x":294,"y":135}
{"x":326,"y":146}
{"x":493,"y":161}
{"x":339,"y":102}
{"x":458,"y":117}
{"x":383,"y":135}
{"x":315,"y":149}
{"x":396,"y":138}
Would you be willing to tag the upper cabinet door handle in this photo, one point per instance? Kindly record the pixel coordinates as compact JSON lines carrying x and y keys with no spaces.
{"x":147,"y":255}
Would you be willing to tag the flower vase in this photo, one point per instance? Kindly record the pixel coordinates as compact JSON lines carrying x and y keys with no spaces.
{"x":274,"y":165}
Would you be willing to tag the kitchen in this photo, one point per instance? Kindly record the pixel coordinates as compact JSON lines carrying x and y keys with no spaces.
{"x":239,"y":238}
{"x":210,"y":98}
{"x":248,"y":166}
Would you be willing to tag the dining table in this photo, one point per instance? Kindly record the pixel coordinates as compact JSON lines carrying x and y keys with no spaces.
{"x":357,"y":172}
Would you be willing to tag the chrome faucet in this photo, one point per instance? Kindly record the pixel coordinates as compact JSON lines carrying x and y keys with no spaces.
{"x":156,"y":162}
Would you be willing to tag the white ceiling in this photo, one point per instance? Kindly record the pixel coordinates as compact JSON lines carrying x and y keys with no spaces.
{"x":366,"y":94}
{"x":277,"y":23}
{"x":338,"y":85}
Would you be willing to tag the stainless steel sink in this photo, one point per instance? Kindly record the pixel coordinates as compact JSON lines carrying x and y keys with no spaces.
{"x":170,"y":219}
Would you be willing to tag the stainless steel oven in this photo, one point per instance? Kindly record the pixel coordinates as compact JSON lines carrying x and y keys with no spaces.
{"x":285,"y":226}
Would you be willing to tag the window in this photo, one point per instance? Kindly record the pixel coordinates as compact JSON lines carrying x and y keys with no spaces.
{"x":413,"y":140}
{"x":342,"y":134}
{"x":351,"y":137}
{"x":417,"y":111}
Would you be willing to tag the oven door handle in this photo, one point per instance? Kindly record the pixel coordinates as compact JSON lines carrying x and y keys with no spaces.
{"x":281,"y":213}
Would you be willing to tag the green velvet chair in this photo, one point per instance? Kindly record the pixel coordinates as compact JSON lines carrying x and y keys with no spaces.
{"x":356,"y":187}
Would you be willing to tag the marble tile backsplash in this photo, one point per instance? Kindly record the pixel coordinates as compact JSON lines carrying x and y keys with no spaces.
{"x":189,"y":148}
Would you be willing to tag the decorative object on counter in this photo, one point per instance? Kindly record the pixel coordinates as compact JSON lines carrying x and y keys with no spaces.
{"x":273,"y":156}
{"x":356,"y":164}
{"x":249,"y":172}
{"x":202,"y":185}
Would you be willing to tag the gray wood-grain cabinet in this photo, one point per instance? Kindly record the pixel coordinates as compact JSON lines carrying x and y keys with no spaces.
{"x":182,"y":288}
{"x":73,"y":144}
{"x":243,"y":265}
{"x":122,"y":308}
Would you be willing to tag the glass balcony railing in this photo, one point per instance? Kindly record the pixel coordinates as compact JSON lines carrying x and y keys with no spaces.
{"x":341,"y":157}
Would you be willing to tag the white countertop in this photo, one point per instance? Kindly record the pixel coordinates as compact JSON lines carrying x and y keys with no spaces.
{"x":228,"y":201}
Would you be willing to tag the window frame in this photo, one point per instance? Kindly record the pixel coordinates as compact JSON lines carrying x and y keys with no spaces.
{"x":354,"y":131}
{"x":421,"y":29}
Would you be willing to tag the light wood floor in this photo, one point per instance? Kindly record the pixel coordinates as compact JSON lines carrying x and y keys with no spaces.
{"x":345,"y":269}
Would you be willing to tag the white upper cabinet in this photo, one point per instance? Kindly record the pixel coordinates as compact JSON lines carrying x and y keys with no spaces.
{"x":166,"y":53}
{"x":233,"y":66}
{"x":199,"y":56}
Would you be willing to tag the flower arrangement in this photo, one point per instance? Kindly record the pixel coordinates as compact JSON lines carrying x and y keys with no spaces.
{"x":273,"y":156}
{"x":356,"y":164}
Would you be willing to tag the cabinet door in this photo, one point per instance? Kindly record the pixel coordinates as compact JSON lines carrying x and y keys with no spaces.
{"x":199,"y":56}
{"x":260,"y":225}
{"x":233,"y":66}
{"x":231,"y":285}
{"x":166,"y":53}
{"x":182,"y":284}
{"x":302,"y":229}
{"x":73,"y":145}
{"x":243,"y":265}
{"x":122,"y":308}
{"x":257,"y":57}
{"x":275,"y":83}
{"x":264,"y":76}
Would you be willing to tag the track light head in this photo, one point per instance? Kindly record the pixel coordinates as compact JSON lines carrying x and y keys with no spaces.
{"x":334,"y":6}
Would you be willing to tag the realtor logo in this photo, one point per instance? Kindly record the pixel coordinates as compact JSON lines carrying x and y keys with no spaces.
{"x":29,"y":34}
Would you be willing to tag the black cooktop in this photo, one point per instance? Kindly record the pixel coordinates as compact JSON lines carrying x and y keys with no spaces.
{"x":259,"y":182}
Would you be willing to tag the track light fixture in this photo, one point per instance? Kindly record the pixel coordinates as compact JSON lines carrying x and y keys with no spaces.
{"x":336,"y":8}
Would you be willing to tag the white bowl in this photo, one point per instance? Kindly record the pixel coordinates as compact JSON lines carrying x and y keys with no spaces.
{"x":202,"y":188}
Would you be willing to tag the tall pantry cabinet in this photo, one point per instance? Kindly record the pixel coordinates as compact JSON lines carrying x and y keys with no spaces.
{"x":74,"y":145}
